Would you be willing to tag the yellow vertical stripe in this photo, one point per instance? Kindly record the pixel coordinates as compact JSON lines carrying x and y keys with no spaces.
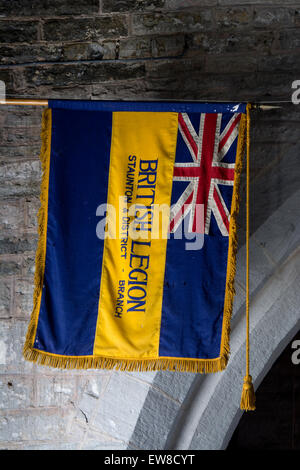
{"x":142,"y":157}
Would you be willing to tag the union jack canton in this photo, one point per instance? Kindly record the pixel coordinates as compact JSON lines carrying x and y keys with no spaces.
{"x":209,"y":167}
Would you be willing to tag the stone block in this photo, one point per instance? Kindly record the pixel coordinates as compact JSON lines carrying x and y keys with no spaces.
{"x":131,"y":5}
{"x":12,"y":338}
{"x":16,"y":245}
{"x":18,"y":152}
{"x":105,"y":50}
{"x":288,"y":39}
{"x":231,"y":42}
{"x":5,"y":296}
{"x":22,"y":116}
{"x":20,"y":179}
{"x":32,"y":206}
{"x":18,"y":31}
{"x":280,"y":63}
{"x":135,"y":48}
{"x":273,"y":17}
{"x":154,"y":423}
{"x":179,"y":4}
{"x":172,"y":69}
{"x":82,"y":29}
{"x":25,"y":136}
{"x":81,"y":74}
{"x":255,"y":2}
{"x":10,"y":265}
{"x":95,"y":442}
{"x":32,"y":426}
{"x":46,"y":8}
{"x":120,"y":406}
{"x":90,"y":397}
{"x":174,"y":384}
{"x":57,"y":391}
{"x":16,"y":392}
{"x":229,"y":64}
{"x":177,"y":22}
{"x":11,"y":215}
{"x":233,"y":18}
{"x":26,"y":53}
{"x":23,"y":297}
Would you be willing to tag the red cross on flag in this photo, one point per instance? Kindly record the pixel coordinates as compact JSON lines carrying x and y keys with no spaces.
{"x":205,"y":172}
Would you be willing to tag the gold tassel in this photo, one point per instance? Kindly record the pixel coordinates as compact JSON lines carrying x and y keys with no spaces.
{"x":248,"y":395}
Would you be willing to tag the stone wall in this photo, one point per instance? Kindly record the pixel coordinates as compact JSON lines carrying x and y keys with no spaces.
{"x":117,"y":49}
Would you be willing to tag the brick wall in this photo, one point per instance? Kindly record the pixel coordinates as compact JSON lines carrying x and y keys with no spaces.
{"x":118,"y":49}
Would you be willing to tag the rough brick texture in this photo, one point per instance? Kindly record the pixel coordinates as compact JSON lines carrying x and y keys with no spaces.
{"x":123,"y":49}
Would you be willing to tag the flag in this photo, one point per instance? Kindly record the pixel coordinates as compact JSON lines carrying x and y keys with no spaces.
{"x":137,"y":235}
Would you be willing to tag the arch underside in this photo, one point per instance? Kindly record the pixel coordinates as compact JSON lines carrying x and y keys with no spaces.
{"x":202,"y":411}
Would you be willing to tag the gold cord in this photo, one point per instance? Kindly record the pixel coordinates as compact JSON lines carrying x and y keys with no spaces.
{"x":248,"y":395}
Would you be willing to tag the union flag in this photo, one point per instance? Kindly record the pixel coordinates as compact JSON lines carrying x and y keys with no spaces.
{"x":206,"y":171}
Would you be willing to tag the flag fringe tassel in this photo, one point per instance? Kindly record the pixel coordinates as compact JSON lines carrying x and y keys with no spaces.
{"x":248,"y":395}
{"x":233,"y":245}
{"x":129,"y":364}
{"x":40,"y":257}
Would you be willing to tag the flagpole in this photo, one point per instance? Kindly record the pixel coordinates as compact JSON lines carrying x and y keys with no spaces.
{"x":38,"y":102}
{"x":17,"y":102}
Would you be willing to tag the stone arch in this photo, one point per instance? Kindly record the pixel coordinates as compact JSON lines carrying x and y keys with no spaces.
{"x":208,"y":410}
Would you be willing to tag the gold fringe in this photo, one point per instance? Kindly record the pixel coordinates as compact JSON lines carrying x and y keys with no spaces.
{"x":232,"y":246}
{"x":131,"y":364}
{"x":42,"y":231}
{"x":143,"y":365}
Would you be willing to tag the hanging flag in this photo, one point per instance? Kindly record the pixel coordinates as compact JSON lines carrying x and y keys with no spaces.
{"x":137,"y":235}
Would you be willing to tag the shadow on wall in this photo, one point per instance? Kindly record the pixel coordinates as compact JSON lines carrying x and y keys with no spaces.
{"x":275,"y":423}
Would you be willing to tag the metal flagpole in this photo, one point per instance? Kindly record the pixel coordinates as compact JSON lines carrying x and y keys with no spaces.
{"x":40,"y":102}
{"x":17,"y":102}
